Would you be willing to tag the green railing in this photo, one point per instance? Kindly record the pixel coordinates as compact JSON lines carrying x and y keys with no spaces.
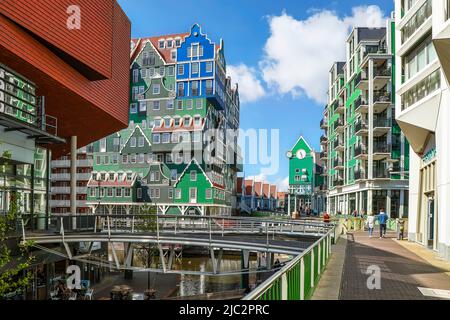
{"x":357,"y":223}
{"x":298,"y":279}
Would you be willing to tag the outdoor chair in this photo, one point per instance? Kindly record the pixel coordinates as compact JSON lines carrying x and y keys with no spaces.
{"x":73,"y":296}
{"x":89,"y":294}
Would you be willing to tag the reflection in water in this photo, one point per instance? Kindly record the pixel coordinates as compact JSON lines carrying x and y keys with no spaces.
{"x":190,"y":285}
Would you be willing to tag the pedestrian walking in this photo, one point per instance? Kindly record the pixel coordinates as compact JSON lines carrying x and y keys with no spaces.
{"x":382,"y":219}
{"x":370,"y":223}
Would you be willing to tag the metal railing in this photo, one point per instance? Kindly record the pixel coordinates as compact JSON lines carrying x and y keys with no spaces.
{"x":175,"y":224}
{"x":298,"y":279}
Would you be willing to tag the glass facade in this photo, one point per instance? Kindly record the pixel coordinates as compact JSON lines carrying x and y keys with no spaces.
{"x":416,"y":21}
{"x":422,"y":89}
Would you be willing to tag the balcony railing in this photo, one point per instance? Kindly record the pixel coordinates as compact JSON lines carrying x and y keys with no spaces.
{"x":323,"y":123}
{"x":383,"y":72}
{"x":337,"y":143}
{"x":339,"y":123}
{"x":323,"y":155}
{"x":359,"y":175}
{"x":371,"y":49}
{"x":360,"y":125}
{"x":382,"y":147}
{"x":360,"y":77}
{"x":338,"y":182}
{"x":360,"y":150}
{"x":382,"y":97}
{"x":381,"y":174}
{"x":323,"y":139}
{"x":360,"y":102}
{"x":381,"y":123}
{"x":338,"y":163}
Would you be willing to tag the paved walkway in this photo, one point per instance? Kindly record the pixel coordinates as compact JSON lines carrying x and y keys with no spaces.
{"x":402,"y":271}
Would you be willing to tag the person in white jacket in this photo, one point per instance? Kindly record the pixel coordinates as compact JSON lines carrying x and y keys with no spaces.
{"x":370,"y":222}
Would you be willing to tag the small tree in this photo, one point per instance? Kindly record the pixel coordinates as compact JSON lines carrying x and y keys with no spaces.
{"x":146,"y":253}
{"x":15,"y":276}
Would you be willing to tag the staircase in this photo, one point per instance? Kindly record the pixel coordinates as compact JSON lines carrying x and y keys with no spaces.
{"x":244,"y":207}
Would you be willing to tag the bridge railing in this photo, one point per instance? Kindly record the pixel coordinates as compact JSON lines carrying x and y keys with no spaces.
{"x":298,"y":279}
{"x":176,"y":224}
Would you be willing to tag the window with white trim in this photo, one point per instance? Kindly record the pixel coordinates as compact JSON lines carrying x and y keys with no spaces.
{"x":135,"y":75}
{"x":156,"y":138}
{"x":208,"y":193}
{"x":193,"y":175}
{"x":181,"y":69}
{"x":189,"y":104}
{"x":142,"y":106}
{"x":166,"y":137}
{"x":133,"y":108}
{"x":170,"y":71}
{"x":199,"y":104}
{"x":156,"y":105}
{"x":195,"y":68}
{"x":162,"y":71}
{"x":179,"y":104}
{"x":156,"y":88}
{"x":194,"y":88}
{"x":127,"y":192}
{"x":161,"y":44}
{"x":133,"y":142}
{"x":141,"y":142}
{"x":173,"y":55}
{"x":178,"y":194}
{"x":139,"y":193}
{"x":209,"y":66}
{"x":170,"y":193}
{"x":169,"y":104}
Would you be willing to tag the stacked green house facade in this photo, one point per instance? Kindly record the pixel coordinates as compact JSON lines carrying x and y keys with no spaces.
{"x":305,"y":179}
{"x":366,"y":154}
{"x":179,"y":152}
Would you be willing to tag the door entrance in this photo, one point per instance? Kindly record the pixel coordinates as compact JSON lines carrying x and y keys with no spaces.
{"x":430,"y":220}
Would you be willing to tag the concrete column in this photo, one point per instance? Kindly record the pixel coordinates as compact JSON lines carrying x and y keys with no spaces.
{"x":289,"y":204}
{"x":357,"y":202}
{"x":369,"y":201}
{"x":370,"y":115}
{"x":73,"y":178}
{"x":388,"y":203}
{"x":402,"y":204}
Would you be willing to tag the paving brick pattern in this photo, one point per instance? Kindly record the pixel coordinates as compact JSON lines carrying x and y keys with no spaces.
{"x":402,"y":271}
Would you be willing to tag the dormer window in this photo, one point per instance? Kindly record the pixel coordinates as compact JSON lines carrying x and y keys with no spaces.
{"x":169,"y":43}
{"x":111,"y":176}
{"x":187,"y":122}
{"x":161,"y":44}
{"x":157,"y":123}
{"x":177,"y":42}
{"x":167,"y":122}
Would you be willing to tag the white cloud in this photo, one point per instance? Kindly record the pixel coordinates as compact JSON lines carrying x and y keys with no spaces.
{"x":250,"y":87}
{"x":282,"y":184}
{"x":299,"y":53}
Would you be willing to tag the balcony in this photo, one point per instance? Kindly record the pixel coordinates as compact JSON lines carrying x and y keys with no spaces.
{"x":338,"y":164}
{"x":87,"y":163}
{"x":66,"y":190}
{"x":360,"y":175}
{"x":381,"y":150}
{"x":339,"y":107}
{"x":381,"y":101}
{"x":361,"y":128}
{"x":66,"y":176}
{"x":66,"y":203}
{"x":323,"y":155}
{"x":360,"y":151}
{"x":323,"y":140}
{"x":339,"y":125}
{"x":338,"y":145}
{"x":381,"y":126}
{"x":339,"y":182}
{"x":361,"y":81}
{"x":361,"y":106}
{"x":382,"y":76}
{"x":323,"y":124}
{"x":381,"y":174}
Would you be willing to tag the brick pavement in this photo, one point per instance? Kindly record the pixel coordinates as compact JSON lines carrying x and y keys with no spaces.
{"x":402,"y":271}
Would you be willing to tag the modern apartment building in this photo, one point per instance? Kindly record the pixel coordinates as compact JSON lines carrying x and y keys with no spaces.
{"x":422,"y":100}
{"x":179,"y":151}
{"x":365,"y":152}
{"x":61,"y":178}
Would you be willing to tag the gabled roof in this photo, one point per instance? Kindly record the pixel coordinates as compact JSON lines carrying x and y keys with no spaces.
{"x":164,"y":53}
{"x":239,"y":183}
{"x":273,"y":191}
{"x":304,"y":140}
{"x":266,"y":190}
{"x":198,"y":165}
{"x":137,"y":127}
{"x":248,"y":187}
{"x":258,"y":189}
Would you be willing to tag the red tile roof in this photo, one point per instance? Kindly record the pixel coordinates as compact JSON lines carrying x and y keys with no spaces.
{"x":239,"y":185}
{"x":273,"y":191}
{"x":266,"y":190}
{"x":258,"y":189}
{"x":248,"y":187}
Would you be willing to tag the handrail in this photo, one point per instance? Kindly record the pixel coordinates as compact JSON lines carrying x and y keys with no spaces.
{"x":266,"y":285}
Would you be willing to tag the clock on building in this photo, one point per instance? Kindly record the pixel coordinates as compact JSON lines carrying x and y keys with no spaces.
{"x":301,"y":154}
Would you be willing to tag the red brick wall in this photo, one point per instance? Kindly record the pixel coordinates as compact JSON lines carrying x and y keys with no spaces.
{"x":85,"y":108}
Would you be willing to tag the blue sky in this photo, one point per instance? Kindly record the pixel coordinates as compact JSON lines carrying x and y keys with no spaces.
{"x":275,"y":49}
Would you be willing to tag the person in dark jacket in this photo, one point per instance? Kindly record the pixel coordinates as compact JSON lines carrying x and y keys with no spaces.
{"x":382,"y":220}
